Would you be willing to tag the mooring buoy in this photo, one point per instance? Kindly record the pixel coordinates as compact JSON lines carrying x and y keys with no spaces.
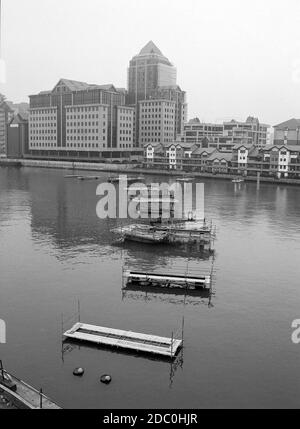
{"x":106,"y":379}
{"x":78,"y":372}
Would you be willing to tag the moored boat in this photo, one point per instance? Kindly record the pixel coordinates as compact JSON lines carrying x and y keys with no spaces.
{"x":238,"y":180}
{"x":147,"y":237}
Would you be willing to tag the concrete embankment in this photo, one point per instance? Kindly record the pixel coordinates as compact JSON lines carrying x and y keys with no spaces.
{"x":129,"y":168}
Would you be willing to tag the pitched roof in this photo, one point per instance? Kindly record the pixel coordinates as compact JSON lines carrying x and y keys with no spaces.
{"x":201,"y":150}
{"x":292,"y":124}
{"x":151,"y":48}
{"x":291,"y":148}
{"x":226,"y":156}
{"x":74,"y":85}
{"x":7,"y":105}
{"x":245,"y":145}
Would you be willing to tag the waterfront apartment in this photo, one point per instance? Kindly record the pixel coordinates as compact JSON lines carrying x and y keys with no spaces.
{"x":77,"y":120}
{"x":245,"y":159}
{"x":227,"y":135}
{"x":287,"y":133}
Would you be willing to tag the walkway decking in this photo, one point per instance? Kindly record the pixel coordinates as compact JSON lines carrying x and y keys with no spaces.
{"x":26,"y":396}
{"x":124,"y":339}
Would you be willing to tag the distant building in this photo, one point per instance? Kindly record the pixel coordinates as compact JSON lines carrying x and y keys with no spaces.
{"x":7,"y":111}
{"x":287,"y":133}
{"x":249,"y":132}
{"x":79,"y":120}
{"x":148,"y":71}
{"x":17,"y":135}
{"x":151,"y":76}
{"x":227,"y":135}
{"x":156,"y":121}
{"x":196,"y":131}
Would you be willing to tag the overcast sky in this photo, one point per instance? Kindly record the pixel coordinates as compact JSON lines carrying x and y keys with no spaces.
{"x":234,"y":57}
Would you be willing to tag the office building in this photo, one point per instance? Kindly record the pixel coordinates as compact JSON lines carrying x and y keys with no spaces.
{"x":78,"y":120}
{"x":156,"y":121}
{"x":151,"y":76}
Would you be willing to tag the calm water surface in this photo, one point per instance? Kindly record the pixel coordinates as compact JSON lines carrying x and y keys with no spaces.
{"x":238,"y":350}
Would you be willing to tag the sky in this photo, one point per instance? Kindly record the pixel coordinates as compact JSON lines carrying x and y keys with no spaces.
{"x":234,"y":57}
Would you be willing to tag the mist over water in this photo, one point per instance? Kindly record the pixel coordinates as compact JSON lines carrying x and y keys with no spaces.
{"x":238,"y":352}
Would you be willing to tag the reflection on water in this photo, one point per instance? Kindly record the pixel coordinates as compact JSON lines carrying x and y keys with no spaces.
{"x":238,"y":352}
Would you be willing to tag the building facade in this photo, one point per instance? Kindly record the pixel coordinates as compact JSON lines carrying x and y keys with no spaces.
{"x":17,"y":135}
{"x":148,"y":71}
{"x":156,"y":121}
{"x":272,"y":161}
{"x":6,"y":113}
{"x":287,"y":133}
{"x":196,"y":131}
{"x":151,"y":76}
{"x":227,"y":135}
{"x":249,"y":132}
{"x":78,"y":120}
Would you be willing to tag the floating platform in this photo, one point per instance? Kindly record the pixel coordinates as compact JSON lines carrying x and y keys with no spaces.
{"x":188,"y":232}
{"x":168,"y":280}
{"x":167,"y":347}
{"x":185,"y":179}
{"x":88,"y":178}
{"x":121,"y":180}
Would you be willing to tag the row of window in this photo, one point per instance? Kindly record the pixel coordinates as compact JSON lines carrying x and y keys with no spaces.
{"x":48,"y":125}
{"x":85,"y":138}
{"x":84,"y":124}
{"x":170,"y":117}
{"x":83,"y":109}
{"x":43,"y":138}
{"x":85,"y":131}
{"x":126,"y":139}
{"x":126,"y":118}
{"x":43,"y":118}
{"x":126,"y":145}
{"x":47,"y":131}
{"x":38,"y":112}
{"x":90,"y":116}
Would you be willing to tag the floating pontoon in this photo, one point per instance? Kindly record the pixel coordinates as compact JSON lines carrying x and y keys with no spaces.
{"x":167,"y":347}
{"x":168,"y":280}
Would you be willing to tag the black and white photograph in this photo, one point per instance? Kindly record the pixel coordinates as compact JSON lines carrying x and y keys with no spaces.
{"x":149,"y":208}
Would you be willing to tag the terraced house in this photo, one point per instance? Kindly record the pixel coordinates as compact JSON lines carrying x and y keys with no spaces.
{"x":282,"y":161}
{"x":278,"y":161}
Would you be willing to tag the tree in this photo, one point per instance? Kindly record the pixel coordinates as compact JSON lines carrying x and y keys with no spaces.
{"x":2,"y":98}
